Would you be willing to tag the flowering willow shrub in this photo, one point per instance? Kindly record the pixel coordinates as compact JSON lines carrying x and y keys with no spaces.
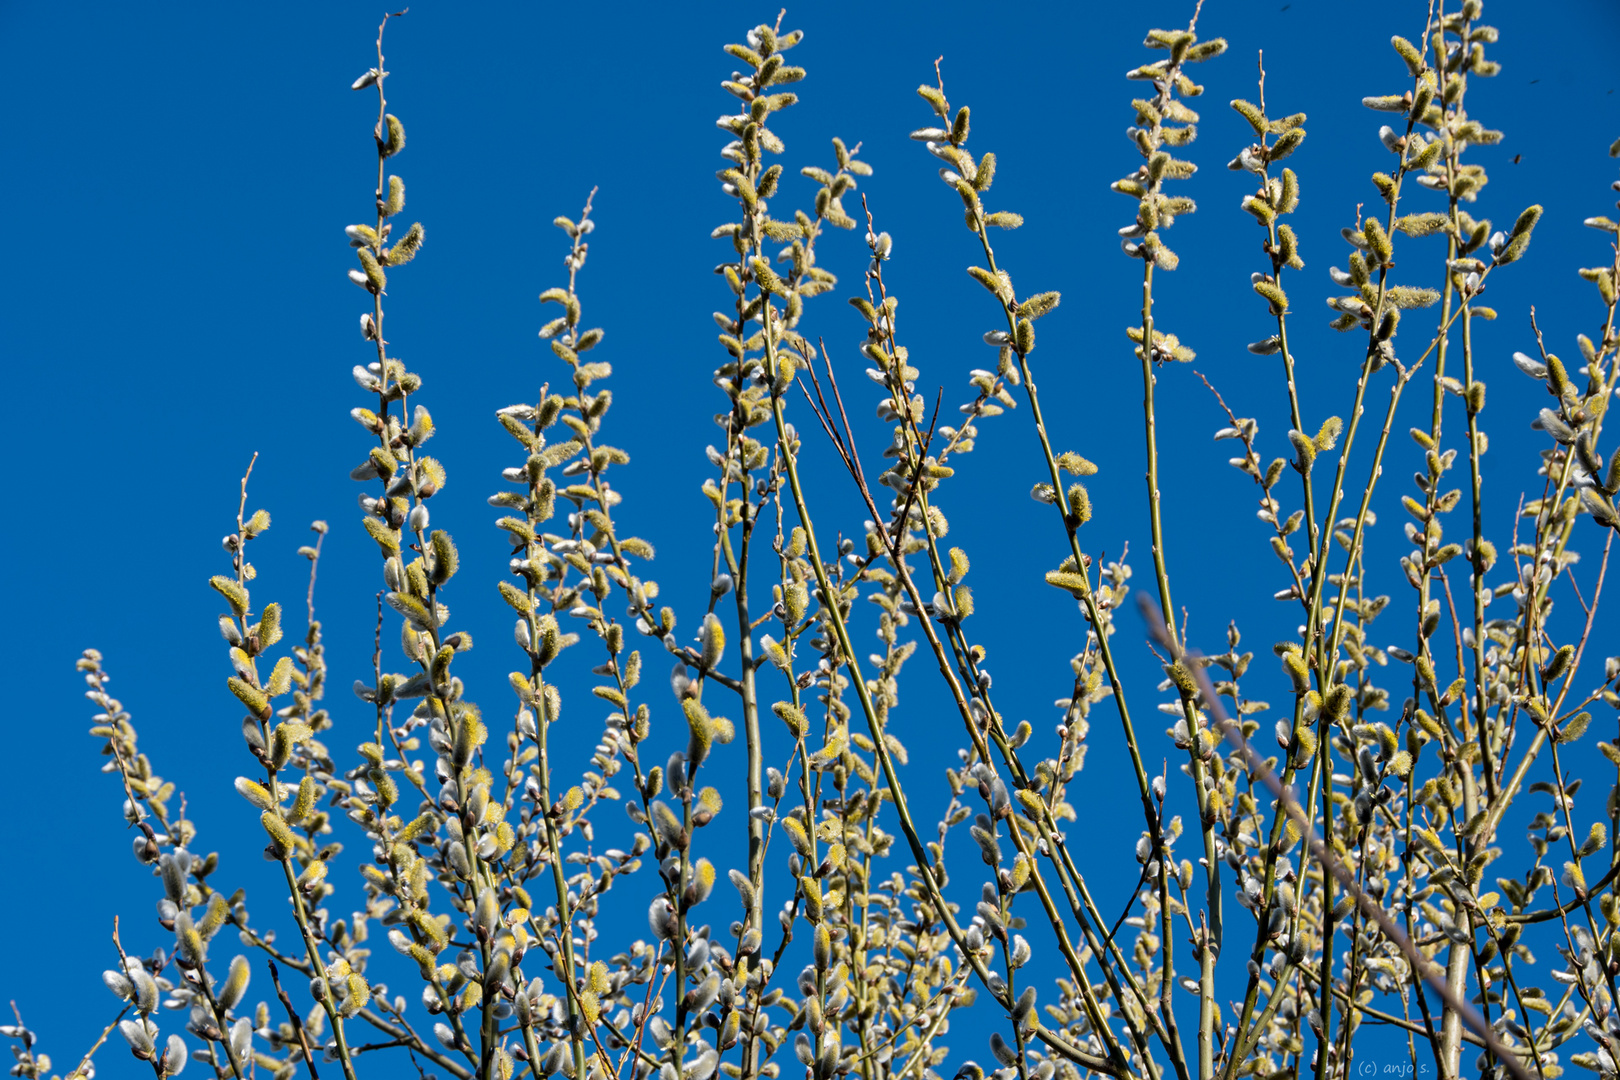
{"x":1354,"y":875}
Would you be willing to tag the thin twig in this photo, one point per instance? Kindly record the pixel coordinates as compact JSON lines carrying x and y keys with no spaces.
{"x":1421,"y":966}
{"x":298,"y":1025}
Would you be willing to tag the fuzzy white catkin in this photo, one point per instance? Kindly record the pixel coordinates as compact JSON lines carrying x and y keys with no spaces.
{"x":138,"y":1034}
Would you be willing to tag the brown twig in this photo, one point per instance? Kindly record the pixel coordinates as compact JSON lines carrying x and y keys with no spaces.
{"x":1421,"y":966}
{"x":298,"y":1025}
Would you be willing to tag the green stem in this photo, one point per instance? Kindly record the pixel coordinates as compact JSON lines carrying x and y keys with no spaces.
{"x":925,"y":872}
{"x":1206,"y":945}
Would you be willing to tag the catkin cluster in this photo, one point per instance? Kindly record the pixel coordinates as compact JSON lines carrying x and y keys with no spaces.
{"x":1352,"y":873}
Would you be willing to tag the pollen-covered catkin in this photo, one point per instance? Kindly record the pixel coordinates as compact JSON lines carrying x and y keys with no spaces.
{"x":1442,"y":650}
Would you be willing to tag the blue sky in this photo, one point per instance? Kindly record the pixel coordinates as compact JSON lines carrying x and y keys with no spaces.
{"x":178,"y":180}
